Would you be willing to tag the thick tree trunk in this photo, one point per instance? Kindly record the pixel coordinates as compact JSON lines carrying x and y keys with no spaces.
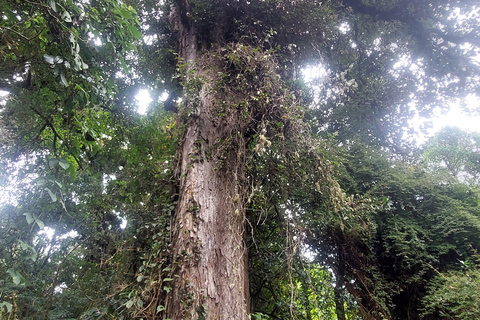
{"x":210,"y":266}
{"x":209,"y":250}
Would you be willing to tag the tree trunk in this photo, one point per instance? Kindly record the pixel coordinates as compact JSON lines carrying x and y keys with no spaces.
{"x":209,"y":250}
{"x":210,"y":260}
{"x":339,"y":290}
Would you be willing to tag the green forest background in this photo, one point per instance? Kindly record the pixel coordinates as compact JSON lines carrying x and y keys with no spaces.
{"x":89,"y":187}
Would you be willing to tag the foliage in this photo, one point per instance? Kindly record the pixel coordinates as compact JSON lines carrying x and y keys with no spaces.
{"x":391,"y":60}
{"x":454,"y":295}
{"x":357,"y":223}
{"x":457,"y":151}
{"x":426,"y":225}
{"x":68,"y":147}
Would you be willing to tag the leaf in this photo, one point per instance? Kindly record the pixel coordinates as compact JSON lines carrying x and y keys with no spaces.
{"x":64,"y":164}
{"x":129,"y":304}
{"x":52,"y":4}
{"x":160,"y":308}
{"x":66,"y":16}
{"x":124,"y":66}
{"x":23,"y":245}
{"x":124,"y":13}
{"x":53,"y":162}
{"x":137,"y":34}
{"x":58,"y":183}
{"x":29,"y":249}
{"x":168,"y":289}
{"x":40,"y":181}
{"x":39,"y":222}
{"x":6,"y":304}
{"x":72,"y":171}
{"x":140,"y":278}
{"x":167,"y":279}
{"x":16,"y":276}
{"x":49,"y":59}
{"x":52,"y":195}
{"x":139,"y":303}
{"x":63,"y":80}
{"x":29,"y":217}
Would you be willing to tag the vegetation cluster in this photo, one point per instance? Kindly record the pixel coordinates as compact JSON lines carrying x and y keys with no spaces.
{"x":343,"y":215}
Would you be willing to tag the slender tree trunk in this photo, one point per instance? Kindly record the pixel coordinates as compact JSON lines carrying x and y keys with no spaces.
{"x":210,"y":266}
{"x":339,"y":290}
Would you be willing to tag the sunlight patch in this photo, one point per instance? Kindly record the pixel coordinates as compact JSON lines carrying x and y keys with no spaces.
{"x":143,"y":101}
{"x":311,"y":73}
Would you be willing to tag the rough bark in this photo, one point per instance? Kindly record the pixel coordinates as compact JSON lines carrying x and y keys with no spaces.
{"x":209,"y":250}
{"x":210,"y":266}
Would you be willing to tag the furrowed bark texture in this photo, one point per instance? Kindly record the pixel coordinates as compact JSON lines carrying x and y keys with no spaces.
{"x":210,"y":267}
{"x":209,"y":250}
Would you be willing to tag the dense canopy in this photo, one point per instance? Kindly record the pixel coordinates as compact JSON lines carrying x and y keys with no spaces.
{"x":277,"y":173}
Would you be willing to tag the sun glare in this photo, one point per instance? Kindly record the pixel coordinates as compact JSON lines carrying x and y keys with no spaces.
{"x":143,"y":101}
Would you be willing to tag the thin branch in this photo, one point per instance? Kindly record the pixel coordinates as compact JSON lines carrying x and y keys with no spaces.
{"x":21,"y":35}
{"x":16,"y":32}
{"x":37,"y":4}
{"x":55,"y":135}
{"x":40,"y":132}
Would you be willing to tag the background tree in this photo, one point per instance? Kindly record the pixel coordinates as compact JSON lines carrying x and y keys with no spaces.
{"x":456,"y":151}
{"x":424,"y":227}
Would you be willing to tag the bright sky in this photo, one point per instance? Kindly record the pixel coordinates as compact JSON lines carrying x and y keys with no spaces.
{"x":458,"y":118}
{"x":455,"y":117}
{"x":143,"y":101}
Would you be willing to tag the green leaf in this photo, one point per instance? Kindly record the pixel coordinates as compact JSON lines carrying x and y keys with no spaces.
{"x":29,"y":249}
{"x":40,"y":181}
{"x":135,"y":32}
{"x":53,"y":162}
{"x":129,"y":304}
{"x":72,"y":171}
{"x":6,"y":304}
{"x":160,"y":308}
{"x":40,"y":223}
{"x":66,"y":16}
{"x":29,"y":217}
{"x":63,"y":80}
{"x":16,"y":276}
{"x":24,"y":245}
{"x":167,"y":279}
{"x":140,"y":278}
{"x":124,"y":13}
{"x":168,"y":289}
{"x":64,"y":164}
{"x":52,"y":4}
{"x":52,"y":195}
